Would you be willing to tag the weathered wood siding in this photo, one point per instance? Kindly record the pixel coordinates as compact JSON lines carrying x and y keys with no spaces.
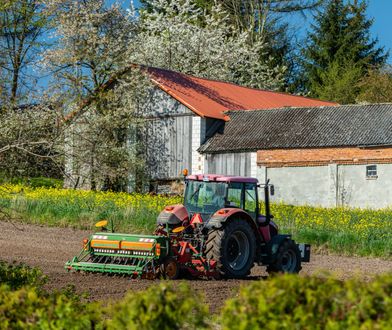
{"x":168,"y":136}
{"x":168,"y":146}
{"x":230,"y":163}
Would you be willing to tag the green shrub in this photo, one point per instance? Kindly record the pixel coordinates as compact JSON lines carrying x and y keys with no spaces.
{"x":166,"y":306}
{"x":36,"y":182}
{"x":294,"y":302}
{"x":19,"y":275}
{"x":28,"y":308}
{"x":45,"y":182}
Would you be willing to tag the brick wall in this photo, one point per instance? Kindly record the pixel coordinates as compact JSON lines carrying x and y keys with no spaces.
{"x":323,"y":156}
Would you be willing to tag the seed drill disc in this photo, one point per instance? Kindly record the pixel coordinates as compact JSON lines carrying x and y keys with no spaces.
{"x":101,"y":223}
{"x":178,"y":230}
{"x":171,"y":269}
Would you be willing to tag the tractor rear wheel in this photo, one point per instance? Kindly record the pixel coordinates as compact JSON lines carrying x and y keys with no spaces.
{"x":288,"y":259}
{"x":233,"y":248}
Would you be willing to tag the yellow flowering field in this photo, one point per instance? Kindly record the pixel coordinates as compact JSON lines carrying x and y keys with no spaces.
{"x":349,"y":231}
{"x":81,"y":208}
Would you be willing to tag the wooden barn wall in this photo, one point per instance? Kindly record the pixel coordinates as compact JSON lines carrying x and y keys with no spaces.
{"x":169,"y":146}
{"x":229,"y":164}
{"x":168,"y":136}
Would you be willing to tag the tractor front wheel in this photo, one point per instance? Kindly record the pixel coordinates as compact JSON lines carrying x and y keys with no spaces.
{"x":233,"y":248}
{"x":288,"y":259}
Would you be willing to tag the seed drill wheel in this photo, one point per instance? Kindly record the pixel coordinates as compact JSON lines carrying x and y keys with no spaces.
{"x":288,"y":259}
{"x":233,"y":247}
{"x":170,"y":269}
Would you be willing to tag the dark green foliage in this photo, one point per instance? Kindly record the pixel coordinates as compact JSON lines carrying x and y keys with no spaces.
{"x":32,"y":182}
{"x":281,"y":302}
{"x":340,"y":51}
{"x":376,"y":87}
{"x":294,"y":302}
{"x":24,"y":304}
{"x":167,"y":306}
{"x":16,"y":276}
{"x":28,"y":308}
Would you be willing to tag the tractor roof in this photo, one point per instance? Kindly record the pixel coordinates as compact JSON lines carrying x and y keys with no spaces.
{"x":221,"y":178}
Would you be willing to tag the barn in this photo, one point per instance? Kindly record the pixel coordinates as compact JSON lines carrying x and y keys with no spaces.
{"x":314,"y":152}
{"x":324,"y":156}
{"x":185,"y":111}
{"x":181,"y":113}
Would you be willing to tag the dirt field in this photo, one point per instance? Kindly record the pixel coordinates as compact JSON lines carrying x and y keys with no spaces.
{"x":49,"y":248}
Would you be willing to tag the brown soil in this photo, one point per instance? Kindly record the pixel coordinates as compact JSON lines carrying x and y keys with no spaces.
{"x":48,"y":249}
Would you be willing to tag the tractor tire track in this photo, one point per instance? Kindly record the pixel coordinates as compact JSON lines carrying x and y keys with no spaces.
{"x":48,"y":248}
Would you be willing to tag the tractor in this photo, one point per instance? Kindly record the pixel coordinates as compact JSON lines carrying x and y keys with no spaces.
{"x":218,"y":232}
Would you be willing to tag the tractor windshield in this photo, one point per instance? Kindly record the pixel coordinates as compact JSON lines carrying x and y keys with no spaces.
{"x":205,"y":197}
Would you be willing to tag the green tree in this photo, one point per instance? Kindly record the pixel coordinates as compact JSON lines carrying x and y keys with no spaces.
{"x":376,"y":86}
{"x":340,"y":48}
{"x":339,"y":82}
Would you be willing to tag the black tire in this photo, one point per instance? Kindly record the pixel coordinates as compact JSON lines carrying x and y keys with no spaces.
{"x":233,"y":248}
{"x":288,"y":259}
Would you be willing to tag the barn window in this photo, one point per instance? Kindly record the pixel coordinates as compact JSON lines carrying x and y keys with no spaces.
{"x":371,"y":172}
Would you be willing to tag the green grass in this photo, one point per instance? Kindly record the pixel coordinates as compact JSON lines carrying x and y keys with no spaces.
{"x":340,"y":230}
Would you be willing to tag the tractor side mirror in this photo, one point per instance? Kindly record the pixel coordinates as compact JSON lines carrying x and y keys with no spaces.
{"x":272,"y":190}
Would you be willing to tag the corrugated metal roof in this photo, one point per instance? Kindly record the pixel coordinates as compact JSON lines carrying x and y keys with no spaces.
{"x":211,"y":98}
{"x":349,"y":125}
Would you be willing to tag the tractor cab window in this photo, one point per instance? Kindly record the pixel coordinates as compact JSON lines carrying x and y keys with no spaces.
{"x":234,"y":194}
{"x":204,"y":197}
{"x":251,"y":198}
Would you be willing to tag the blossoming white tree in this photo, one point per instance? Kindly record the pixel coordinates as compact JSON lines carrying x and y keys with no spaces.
{"x":178,"y":35}
{"x":97,"y":77}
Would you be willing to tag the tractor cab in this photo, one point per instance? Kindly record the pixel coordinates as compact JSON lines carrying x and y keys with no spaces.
{"x":207,"y":194}
{"x":210,"y":193}
{"x":213,"y":199}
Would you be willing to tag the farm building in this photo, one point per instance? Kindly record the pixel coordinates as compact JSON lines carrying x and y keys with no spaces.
{"x":328,"y":156}
{"x":314,"y":152}
{"x":181,"y":113}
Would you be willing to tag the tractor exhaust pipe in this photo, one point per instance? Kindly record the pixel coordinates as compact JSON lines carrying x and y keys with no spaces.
{"x":267,"y":191}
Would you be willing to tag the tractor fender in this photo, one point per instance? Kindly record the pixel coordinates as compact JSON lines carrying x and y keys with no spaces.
{"x":173,"y":215}
{"x":220,"y":217}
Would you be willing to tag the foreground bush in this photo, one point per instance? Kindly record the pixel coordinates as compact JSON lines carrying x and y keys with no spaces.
{"x":24,"y":304}
{"x":166,"y":306}
{"x":29,"y":308}
{"x":294,"y":302}
{"x":281,"y":302}
{"x":16,"y":276}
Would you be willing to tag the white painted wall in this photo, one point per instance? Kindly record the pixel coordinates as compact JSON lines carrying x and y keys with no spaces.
{"x":331,"y":185}
{"x":198,"y":133}
{"x":356,"y":190}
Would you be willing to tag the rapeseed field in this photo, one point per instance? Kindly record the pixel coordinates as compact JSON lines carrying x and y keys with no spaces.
{"x":341,"y":230}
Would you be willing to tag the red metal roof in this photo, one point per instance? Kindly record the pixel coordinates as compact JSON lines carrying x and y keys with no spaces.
{"x":211,"y":98}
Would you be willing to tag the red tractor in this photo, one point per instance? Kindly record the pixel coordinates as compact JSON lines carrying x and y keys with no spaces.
{"x":221,"y":216}
{"x":219,"y":231}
